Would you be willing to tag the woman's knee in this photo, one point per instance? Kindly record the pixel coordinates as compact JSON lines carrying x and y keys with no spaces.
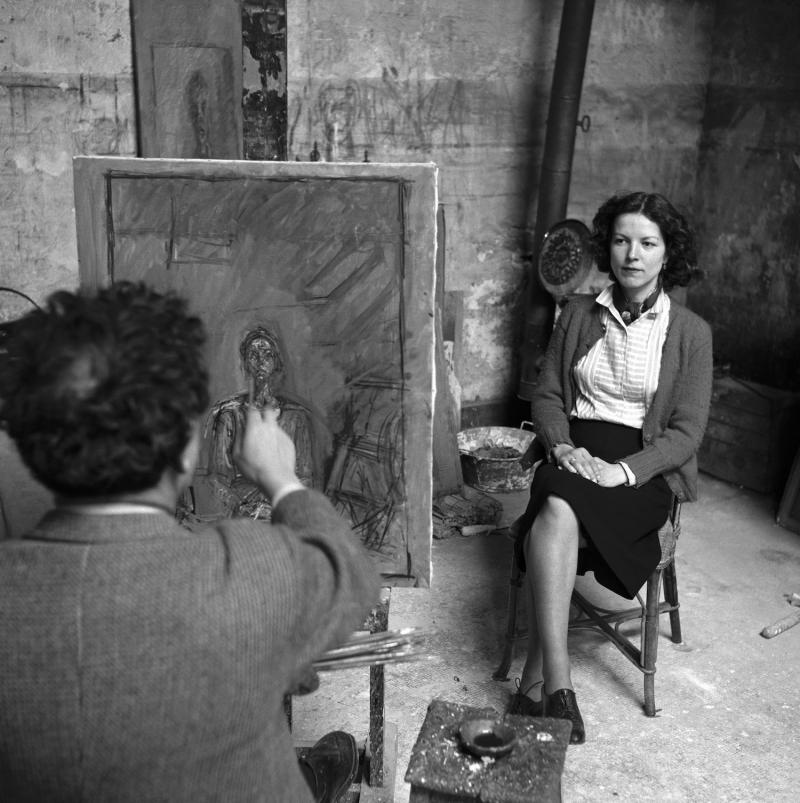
{"x":559,"y":511}
{"x":555,"y":524}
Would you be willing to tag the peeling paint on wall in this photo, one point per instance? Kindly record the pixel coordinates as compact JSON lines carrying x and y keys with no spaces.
{"x":469,"y":88}
{"x":44,"y":122}
{"x":453,"y":81}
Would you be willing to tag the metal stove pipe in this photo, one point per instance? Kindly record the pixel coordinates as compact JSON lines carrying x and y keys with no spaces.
{"x":559,"y":147}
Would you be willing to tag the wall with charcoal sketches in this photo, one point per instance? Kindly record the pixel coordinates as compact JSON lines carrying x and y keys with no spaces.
{"x":466,"y":84}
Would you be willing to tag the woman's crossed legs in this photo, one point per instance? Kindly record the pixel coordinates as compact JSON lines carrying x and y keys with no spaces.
{"x":551,"y":557}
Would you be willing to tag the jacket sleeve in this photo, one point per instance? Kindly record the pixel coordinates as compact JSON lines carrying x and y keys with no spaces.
{"x":548,"y":405}
{"x":337,"y":566}
{"x":674,"y":433}
{"x":305,"y":576}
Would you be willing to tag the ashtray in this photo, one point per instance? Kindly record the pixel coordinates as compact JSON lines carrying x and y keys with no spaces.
{"x":487,"y":737}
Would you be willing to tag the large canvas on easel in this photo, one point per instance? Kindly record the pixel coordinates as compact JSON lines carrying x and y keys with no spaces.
{"x":336,"y":263}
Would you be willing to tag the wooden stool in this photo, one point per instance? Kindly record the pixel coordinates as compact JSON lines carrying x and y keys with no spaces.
{"x":441,"y":771}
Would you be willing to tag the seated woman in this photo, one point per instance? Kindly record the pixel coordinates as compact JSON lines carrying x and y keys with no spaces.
{"x":620,"y":408}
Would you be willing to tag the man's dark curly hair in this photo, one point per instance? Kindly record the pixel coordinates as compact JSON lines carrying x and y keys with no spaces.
{"x":681,"y":267}
{"x":100,"y":389}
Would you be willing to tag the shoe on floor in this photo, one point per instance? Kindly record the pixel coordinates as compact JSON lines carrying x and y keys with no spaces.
{"x":561,"y":704}
{"x":522,"y":705}
{"x":330,"y":766}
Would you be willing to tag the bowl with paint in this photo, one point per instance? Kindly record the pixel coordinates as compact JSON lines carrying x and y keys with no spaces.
{"x":487,"y":737}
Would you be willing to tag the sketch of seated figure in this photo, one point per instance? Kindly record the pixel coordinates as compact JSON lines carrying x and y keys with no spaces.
{"x":366,"y":482}
{"x":262,"y":364}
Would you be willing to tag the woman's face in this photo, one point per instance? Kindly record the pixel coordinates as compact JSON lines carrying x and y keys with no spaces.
{"x":638,"y":253}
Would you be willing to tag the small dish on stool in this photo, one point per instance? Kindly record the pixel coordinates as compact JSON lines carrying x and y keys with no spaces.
{"x":487,"y":737}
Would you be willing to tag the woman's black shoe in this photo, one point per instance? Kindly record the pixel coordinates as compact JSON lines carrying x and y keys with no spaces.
{"x":561,"y":704}
{"x":523,"y":705}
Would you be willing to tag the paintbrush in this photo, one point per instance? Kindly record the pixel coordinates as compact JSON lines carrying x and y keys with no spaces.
{"x":370,"y":649}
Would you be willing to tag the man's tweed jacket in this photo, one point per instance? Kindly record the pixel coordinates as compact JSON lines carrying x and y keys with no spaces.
{"x":142,"y":662}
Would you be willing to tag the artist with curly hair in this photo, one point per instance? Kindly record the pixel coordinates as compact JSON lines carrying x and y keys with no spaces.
{"x":619,"y":411}
{"x":143,"y":661}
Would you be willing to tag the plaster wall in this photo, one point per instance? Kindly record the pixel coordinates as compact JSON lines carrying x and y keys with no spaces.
{"x":749,"y":192}
{"x":65,"y":89}
{"x":467,"y":85}
{"x":460,"y":82}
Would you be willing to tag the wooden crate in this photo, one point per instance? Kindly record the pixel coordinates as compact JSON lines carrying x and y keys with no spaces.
{"x":789,"y":508}
{"x":752,"y":435}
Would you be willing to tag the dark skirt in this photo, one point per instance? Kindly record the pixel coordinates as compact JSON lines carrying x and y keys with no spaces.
{"x":620,"y":524}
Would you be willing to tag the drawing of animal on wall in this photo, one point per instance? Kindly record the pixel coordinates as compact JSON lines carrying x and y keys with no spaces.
{"x":302,"y":287}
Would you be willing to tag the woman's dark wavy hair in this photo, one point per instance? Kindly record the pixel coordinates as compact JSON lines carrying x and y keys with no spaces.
{"x":681,"y":267}
{"x":100,"y":390}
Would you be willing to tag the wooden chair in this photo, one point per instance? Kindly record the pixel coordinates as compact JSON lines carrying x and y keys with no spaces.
{"x":642,"y":652}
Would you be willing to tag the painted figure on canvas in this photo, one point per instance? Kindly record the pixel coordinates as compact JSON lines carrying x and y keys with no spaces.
{"x":262,"y":364}
{"x":366,"y":478}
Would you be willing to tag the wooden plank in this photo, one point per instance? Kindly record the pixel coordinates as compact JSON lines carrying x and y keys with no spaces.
{"x":453,"y":326}
{"x":372,"y":793}
{"x":739,"y":466}
{"x":447,"y":477}
{"x":751,"y":435}
{"x":750,"y":397}
{"x":789,"y":508}
{"x":188,"y":65}
{"x":755,"y":441}
{"x":739,"y":420}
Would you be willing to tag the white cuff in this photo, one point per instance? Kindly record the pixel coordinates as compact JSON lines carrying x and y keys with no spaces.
{"x":628,"y":473}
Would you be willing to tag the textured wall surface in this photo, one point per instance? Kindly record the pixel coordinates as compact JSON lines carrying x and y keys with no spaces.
{"x":65,"y":89}
{"x":467,"y":85}
{"x":749,"y":192}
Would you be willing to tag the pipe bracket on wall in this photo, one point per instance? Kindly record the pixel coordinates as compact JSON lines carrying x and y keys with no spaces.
{"x":585,"y":123}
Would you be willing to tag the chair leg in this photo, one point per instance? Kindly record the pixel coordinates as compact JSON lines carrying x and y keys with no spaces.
{"x":671,"y":596}
{"x":514,"y":584}
{"x":650,"y":642}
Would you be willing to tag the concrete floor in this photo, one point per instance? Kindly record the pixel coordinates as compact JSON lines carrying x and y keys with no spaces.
{"x":729,"y":700}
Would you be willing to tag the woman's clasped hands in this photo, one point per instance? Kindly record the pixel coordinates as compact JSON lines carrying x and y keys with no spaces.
{"x":579,"y":461}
